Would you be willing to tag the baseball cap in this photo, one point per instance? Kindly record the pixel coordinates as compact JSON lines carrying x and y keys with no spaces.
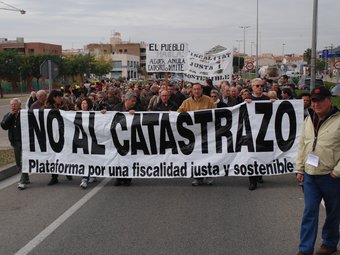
{"x":320,"y":93}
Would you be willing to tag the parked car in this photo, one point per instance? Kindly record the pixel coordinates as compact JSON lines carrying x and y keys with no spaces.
{"x":336,"y":90}
{"x":304,"y":83}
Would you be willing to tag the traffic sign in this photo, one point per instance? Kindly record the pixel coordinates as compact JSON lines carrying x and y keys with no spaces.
{"x":337,"y":65}
{"x":325,"y":53}
{"x":249,"y":66}
{"x":49,"y":69}
{"x":330,"y":55}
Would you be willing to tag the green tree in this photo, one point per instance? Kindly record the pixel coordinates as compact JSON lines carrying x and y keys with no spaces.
{"x":320,"y":65}
{"x":101,"y":67}
{"x":77,"y":65}
{"x":307,"y":55}
{"x":32,"y":63}
{"x":11,"y":67}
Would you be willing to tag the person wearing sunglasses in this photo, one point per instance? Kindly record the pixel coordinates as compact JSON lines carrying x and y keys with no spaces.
{"x":215,"y":96}
{"x":257,"y":85}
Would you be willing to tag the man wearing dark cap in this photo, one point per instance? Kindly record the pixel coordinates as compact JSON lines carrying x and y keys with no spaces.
{"x":318,"y":166}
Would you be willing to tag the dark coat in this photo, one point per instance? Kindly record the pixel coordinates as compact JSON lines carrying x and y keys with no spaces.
{"x":221,"y":104}
{"x":11,"y":122}
{"x":160,"y":106}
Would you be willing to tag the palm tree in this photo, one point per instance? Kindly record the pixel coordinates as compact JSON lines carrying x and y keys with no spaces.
{"x":307,"y":55}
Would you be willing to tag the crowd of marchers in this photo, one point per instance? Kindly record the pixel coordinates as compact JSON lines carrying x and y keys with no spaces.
{"x":318,"y":160}
{"x":114,"y":95}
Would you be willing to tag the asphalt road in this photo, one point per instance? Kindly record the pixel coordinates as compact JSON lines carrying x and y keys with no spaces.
{"x":166,"y":216}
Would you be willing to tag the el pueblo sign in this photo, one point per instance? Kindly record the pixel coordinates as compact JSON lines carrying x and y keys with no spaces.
{"x":196,"y":67}
{"x":166,"y":57}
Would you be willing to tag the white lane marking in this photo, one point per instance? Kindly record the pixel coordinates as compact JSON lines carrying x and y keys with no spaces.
{"x":54,"y":225}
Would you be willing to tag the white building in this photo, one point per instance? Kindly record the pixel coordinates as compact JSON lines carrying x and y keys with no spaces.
{"x":124,"y":65}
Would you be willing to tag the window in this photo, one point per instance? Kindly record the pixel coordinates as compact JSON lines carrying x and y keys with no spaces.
{"x":116,"y":64}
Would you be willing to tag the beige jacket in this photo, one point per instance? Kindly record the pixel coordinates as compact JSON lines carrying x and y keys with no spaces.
{"x":190,"y":104}
{"x":327,"y":147}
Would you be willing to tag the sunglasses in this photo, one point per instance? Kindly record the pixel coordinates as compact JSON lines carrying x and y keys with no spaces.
{"x":257,"y":86}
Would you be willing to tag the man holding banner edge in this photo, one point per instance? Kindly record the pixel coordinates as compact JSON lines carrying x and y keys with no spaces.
{"x":198,"y":101}
{"x":318,"y":166}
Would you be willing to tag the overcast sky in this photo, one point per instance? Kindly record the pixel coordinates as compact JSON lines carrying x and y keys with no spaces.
{"x":200,"y":23}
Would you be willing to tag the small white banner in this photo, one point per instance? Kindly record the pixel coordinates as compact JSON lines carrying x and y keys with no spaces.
{"x":166,"y":57}
{"x":259,"y":138}
{"x":217,"y":67}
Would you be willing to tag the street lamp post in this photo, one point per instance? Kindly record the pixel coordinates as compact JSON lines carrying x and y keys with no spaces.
{"x":251,"y":48}
{"x":11,"y":8}
{"x":257,"y":37}
{"x":314,"y":40}
{"x":283,"y":49}
{"x":244,"y":38}
{"x":20,"y":77}
{"x":238,"y":57}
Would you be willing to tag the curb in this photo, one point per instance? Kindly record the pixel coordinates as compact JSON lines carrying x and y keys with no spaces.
{"x":9,"y":97}
{"x":8,"y":171}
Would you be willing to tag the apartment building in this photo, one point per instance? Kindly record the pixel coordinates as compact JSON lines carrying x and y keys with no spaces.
{"x":126,"y":56}
{"x":30,"y":48}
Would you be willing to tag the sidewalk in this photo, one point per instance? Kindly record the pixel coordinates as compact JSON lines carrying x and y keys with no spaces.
{"x":9,"y":169}
{"x":23,"y":95}
{"x":334,"y":79}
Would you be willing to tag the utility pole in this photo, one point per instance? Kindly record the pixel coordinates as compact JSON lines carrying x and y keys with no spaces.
{"x":257,"y":38}
{"x":314,"y":41}
{"x":244,"y":38}
{"x":331,"y":62}
{"x":238,"y":57}
{"x":251,"y":48}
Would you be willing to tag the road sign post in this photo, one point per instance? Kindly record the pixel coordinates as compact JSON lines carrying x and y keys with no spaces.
{"x":337,"y":65}
{"x":50,"y":70}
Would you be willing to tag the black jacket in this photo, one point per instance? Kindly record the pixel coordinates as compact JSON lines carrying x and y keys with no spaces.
{"x":160,"y":106}
{"x":11,"y":122}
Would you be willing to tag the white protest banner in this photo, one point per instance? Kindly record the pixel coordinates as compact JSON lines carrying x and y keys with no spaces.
{"x":259,"y":138}
{"x":166,"y":57}
{"x":217,"y":67}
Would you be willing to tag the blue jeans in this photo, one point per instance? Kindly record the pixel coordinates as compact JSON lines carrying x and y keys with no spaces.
{"x":317,"y":187}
